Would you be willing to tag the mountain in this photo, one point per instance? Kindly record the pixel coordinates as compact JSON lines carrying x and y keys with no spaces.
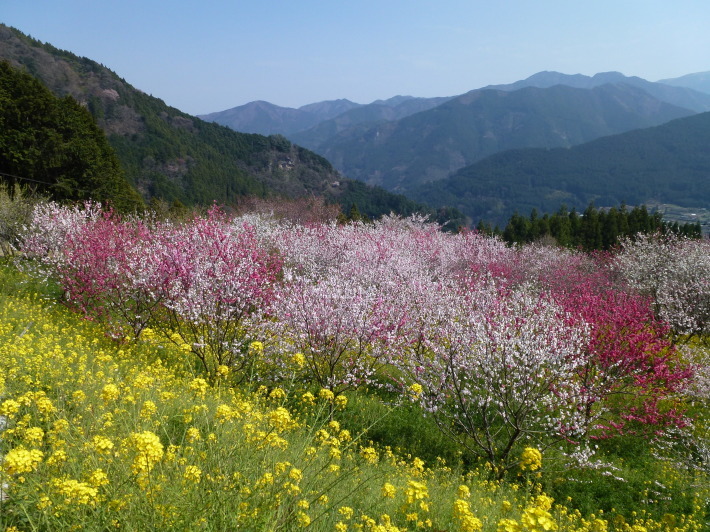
{"x":364,"y":116}
{"x":669,"y":163}
{"x":266,"y":118}
{"x":699,"y":81}
{"x":170,"y":155}
{"x":323,"y":117}
{"x":428,"y":146}
{"x":680,"y":95}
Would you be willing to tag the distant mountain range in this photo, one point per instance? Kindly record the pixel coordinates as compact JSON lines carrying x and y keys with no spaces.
{"x":428,"y":146}
{"x":403,"y":143}
{"x":329,"y":116}
{"x":679,"y":93}
{"x":699,"y":81}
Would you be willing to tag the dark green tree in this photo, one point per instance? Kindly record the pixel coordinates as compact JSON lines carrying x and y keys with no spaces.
{"x":55,"y":146}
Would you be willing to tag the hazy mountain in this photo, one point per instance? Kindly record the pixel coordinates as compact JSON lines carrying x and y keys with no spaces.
{"x":430,"y":145}
{"x":364,"y":116}
{"x":266,"y":118}
{"x":327,"y":117}
{"x":699,"y":81}
{"x":664,"y":164}
{"x":681,"y":95}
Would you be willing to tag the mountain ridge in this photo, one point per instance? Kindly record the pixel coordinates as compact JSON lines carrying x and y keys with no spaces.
{"x":668,"y":163}
{"x":699,"y":81}
{"x":387,"y":146}
{"x":430,"y":145}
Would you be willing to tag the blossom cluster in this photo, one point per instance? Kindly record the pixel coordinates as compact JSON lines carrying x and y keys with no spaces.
{"x":500,"y":344}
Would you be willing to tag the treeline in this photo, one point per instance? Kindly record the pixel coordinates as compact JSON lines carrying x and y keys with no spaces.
{"x":594,"y":229}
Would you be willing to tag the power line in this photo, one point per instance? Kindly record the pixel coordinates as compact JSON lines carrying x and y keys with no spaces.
{"x":24,"y":178}
{"x":49,"y":185}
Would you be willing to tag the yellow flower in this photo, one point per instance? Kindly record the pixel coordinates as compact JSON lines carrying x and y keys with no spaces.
{"x":416,"y":491}
{"x":303,"y":519}
{"x":416,"y":389}
{"x":280,"y":419}
{"x":148,"y":450}
{"x":464,"y":492}
{"x":44,"y":405}
{"x":299,"y":360}
{"x":192,"y":473}
{"x":536,"y":519}
{"x":98,"y":478}
{"x":467,"y":521}
{"x":326,"y":394}
{"x":222,"y":370}
{"x":57,"y":457}
{"x":224,"y":413}
{"x":369,"y":454}
{"x":198,"y":386}
{"x":257,"y":347}
{"x":530,"y":459}
{"x":341,"y":527}
{"x":102,"y":444}
{"x":341,"y":402}
{"x":20,"y":460}
{"x":148,"y":410}
{"x":75,"y":492}
{"x":544,"y":502}
{"x":9,"y":408}
{"x":34,"y":435}
{"x":277,"y":394}
{"x":295,"y":474}
{"x":346,"y":512}
{"x":109,"y":393}
{"x":193,"y":434}
{"x":508,"y":525}
{"x":308,"y":398}
{"x":78,"y":396}
{"x":389,"y":491}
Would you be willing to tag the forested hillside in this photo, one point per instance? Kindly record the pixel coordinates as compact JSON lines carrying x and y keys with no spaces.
{"x":178,"y":158}
{"x":668,"y":164}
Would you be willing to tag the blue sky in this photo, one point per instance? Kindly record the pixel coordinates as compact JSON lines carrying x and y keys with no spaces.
{"x":210,"y":55}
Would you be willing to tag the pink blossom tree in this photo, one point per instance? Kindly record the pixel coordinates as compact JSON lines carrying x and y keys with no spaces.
{"x":496,"y":368}
{"x":675,"y":272}
{"x":633,"y":374}
{"x":217,"y":285}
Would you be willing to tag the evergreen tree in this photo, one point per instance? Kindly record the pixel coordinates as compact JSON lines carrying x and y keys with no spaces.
{"x":55,"y":146}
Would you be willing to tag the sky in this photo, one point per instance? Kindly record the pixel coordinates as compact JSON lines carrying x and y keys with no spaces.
{"x":202,"y":56}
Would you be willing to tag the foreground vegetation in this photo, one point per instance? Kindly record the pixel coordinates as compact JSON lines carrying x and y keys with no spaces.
{"x":246,"y":373}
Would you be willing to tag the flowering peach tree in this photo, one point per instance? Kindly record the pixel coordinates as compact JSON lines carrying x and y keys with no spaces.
{"x":497,"y":368}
